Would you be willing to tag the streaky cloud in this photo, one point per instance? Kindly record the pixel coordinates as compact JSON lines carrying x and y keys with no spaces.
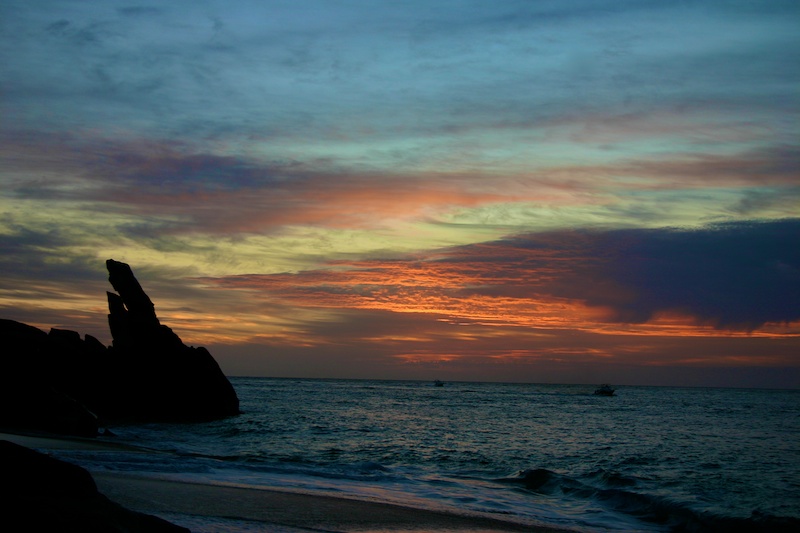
{"x":200,"y":188}
{"x":730,"y":276}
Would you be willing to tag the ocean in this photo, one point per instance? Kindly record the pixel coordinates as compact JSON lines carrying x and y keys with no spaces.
{"x":651,"y":459}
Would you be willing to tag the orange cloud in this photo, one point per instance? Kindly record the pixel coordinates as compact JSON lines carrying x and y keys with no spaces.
{"x":561,"y":280}
{"x":203,"y":191}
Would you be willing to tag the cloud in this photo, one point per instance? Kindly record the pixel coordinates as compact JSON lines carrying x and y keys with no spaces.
{"x":195,"y":71}
{"x":758,"y":200}
{"x":225,"y":193}
{"x":208,"y":190}
{"x":36,"y":254}
{"x":139,"y":11}
{"x":735,"y":276}
{"x":772,"y":165}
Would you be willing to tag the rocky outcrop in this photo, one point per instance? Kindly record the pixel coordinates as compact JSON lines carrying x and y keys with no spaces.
{"x":63,"y":383}
{"x":44,"y":380}
{"x":180,"y":382}
{"x":41,"y":493}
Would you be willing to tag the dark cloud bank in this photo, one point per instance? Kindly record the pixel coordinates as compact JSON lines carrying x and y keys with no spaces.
{"x":737,"y":275}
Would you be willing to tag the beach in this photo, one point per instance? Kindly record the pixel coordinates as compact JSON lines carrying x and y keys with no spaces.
{"x":285,"y":509}
{"x":260,"y":509}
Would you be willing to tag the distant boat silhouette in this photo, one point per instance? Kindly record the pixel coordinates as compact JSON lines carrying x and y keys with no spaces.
{"x":438,"y":383}
{"x":604,"y":390}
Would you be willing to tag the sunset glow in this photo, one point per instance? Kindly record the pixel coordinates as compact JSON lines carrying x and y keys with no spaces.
{"x":545,"y":191}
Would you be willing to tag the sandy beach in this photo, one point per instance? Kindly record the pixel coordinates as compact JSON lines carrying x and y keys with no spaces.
{"x":264,"y":510}
{"x":302,"y":511}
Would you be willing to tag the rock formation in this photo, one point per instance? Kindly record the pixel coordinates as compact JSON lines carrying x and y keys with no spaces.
{"x":182,"y":383}
{"x":45,"y":379}
{"x":62,"y":383}
{"x":41,"y":493}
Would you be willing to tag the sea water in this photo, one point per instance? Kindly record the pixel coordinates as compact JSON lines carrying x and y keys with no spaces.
{"x":645,"y":459}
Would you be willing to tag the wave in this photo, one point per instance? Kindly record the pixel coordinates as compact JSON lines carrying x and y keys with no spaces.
{"x":613,"y":490}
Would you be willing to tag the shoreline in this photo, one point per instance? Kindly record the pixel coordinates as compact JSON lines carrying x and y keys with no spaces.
{"x":51,"y":441}
{"x":290,"y":509}
{"x":266,"y":509}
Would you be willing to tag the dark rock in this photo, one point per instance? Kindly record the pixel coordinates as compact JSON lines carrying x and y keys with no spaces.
{"x":59,"y":382}
{"x":39,"y":373}
{"x":167,"y":379}
{"x":41,"y":493}
{"x":118,"y":319}
{"x":33,"y":406}
{"x":66,"y":336}
{"x":22,"y":345}
{"x":93,"y":345}
{"x":28,"y":471}
{"x":137,"y":303}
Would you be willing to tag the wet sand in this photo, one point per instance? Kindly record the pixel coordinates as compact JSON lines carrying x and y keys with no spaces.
{"x":303,"y":511}
{"x":42,"y":441}
{"x":267,"y":510}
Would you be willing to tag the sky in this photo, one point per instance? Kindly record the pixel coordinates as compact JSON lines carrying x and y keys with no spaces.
{"x":567,"y":191}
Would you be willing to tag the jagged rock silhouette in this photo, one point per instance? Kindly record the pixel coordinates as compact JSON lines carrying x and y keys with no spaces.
{"x":60,"y":382}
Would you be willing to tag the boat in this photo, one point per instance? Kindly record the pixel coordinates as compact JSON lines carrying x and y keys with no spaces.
{"x":604,"y":390}
{"x":438,"y":383}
